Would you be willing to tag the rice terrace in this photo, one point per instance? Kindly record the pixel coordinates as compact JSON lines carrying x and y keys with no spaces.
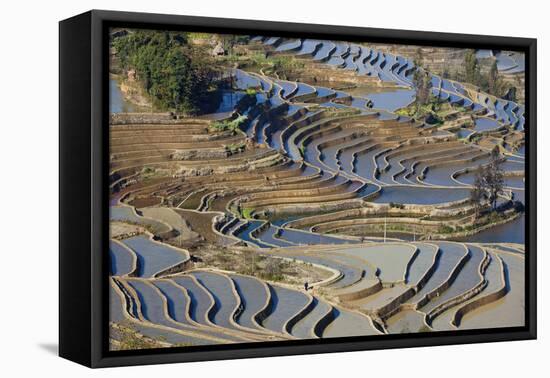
{"x":267,"y":189}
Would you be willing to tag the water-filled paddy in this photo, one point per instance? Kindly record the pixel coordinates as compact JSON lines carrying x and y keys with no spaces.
{"x":464,"y":133}
{"x":382,"y":297}
{"x":365,"y":151}
{"x":122,"y":259}
{"x":391,"y":101}
{"x":290,"y":45}
{"x":304,"y":89}
{"x":323,"y":52}
{"x":303,"y":329}
{"x":127,"y":214}
{"x":224,"y":299}
{"x":392,"y":259}
{"x":286,"y":304}
{"x":493,"y":275}
{"x":176,"y":300}
{"x":302,"y":237}
{"x":228,"y":101}
{"x":420,"y":195}
{"x":509,"y":310}
{"x":269,"y":237}
{"x":308,"y":47}
{"x":406,"y":321}
{"x":507,"y":166}
{"x":243,"y":81}
{"x":509,"y":232}
{"x":154,"y":257}
{"x":200,"y":300}
{"x":116,"y":314}
{"x":351,"y":274}
{"x":466,"y":280}
{"x":423,"y":261}
{"x":347,"y":323}
{"x":486,"y":124}
{"x":253,"y":297}
{"x":450,"y":255}
{"x":442,"y":175}
{"x":244,"y":233}
{"x":152,"y":305}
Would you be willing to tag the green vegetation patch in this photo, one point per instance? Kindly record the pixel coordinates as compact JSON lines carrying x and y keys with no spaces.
{"x":171,"y":72}
{"x":229,"y":125}
{"x":247,"y":212}
{"x":234,"y":148}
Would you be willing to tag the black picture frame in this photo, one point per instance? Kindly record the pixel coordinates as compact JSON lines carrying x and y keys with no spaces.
{"x":83,"y":197}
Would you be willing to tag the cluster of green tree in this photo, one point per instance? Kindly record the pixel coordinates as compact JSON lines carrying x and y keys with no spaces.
{"x":173,"y":75}
{"x":490,"y":82}
{"x":426,"y":105}
{"x":230,"y":40}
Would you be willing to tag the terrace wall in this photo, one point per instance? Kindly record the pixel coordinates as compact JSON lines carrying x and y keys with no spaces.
{"x":482,"y":301}
{"x":347,"y":297}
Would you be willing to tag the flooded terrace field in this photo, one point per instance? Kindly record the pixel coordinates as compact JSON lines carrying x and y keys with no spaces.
{"x":322,"y":189}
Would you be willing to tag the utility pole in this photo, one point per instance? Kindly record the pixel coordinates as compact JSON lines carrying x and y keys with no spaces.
{"x":385,"y":226}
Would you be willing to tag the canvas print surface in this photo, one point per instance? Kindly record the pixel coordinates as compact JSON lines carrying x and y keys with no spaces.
{"x":271,"y":189}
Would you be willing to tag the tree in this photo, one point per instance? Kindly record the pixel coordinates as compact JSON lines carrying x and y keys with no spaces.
{"x":494,"y":82}
{"x":471,"y":67}
{"x":488,"y":183}
{"x":494,"y":178}
{"x":418,"y":57}
{"x":445,"y":74}
{"x":490,"y":82}
{"x":423,"y":84}
{"x":477,"y":194}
